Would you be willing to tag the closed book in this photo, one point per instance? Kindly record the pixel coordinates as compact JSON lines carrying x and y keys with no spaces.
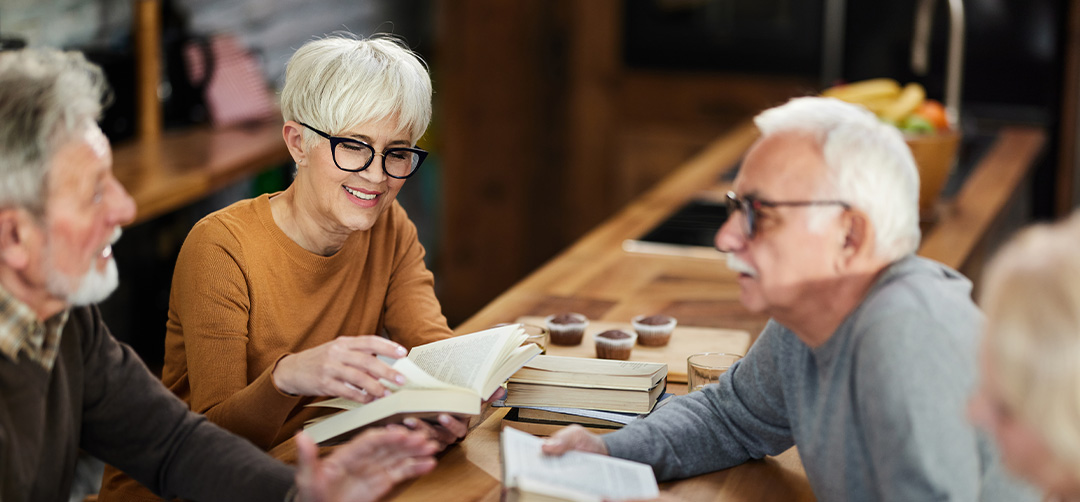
{"x":591,"y":373}
{"x":627,"y":401}
{"x":546,"y":428}
{"x":544,"y":415}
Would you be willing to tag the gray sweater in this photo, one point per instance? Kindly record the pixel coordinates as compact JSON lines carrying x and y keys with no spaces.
{"x":877,"y":411}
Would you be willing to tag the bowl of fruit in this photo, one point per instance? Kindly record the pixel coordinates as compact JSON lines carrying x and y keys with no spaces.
{"x":926,"y":126}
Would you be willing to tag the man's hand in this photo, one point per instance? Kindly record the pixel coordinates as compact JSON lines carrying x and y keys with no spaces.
{"x":365,"y":468}
{"x":446,"y":432}
{"x":574,"y":437}
{"x":450,"y":428}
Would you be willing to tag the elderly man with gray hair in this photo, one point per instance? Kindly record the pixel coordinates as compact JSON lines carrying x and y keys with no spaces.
{"x":868,"y":358}
{"x":65,"y":383}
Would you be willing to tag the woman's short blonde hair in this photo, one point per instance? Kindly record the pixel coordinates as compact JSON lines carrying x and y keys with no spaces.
{"x":1031,"y":295}
{"x":341,"y":81}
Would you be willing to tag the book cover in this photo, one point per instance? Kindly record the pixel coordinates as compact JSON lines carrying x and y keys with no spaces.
{"x":626,"y":401}
{"x":591,"y":373}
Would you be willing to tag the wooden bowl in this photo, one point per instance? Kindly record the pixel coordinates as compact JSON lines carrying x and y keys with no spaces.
{"x":935,"y":155}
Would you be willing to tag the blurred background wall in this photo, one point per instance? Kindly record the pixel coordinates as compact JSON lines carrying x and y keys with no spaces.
{"x":553,"y":114}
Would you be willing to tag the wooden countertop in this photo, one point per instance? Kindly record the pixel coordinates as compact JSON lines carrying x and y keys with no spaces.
{"x":184,"y":166}
{"x":596,"y":277}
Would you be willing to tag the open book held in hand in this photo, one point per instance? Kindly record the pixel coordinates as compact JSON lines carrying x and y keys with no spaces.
{"x":530,"y":475}
{"x":448,"y":376}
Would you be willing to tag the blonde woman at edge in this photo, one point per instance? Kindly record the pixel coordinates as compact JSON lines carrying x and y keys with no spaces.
{"x":280,"y":299}
{"x":1029,"y":391}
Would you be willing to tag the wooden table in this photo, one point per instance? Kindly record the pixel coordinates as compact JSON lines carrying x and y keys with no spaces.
{"x":184,"y":166}
{"x":597,"y":278}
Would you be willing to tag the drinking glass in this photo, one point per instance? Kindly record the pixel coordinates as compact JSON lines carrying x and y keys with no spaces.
{"x":706,"y":367}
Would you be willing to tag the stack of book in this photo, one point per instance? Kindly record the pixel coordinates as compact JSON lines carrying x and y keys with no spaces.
{"x":552,"y":391}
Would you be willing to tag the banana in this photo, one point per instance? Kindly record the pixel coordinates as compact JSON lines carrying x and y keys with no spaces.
{"x":864,"y":91}
{"x":910,"y":98}
{"x":878,"y":105}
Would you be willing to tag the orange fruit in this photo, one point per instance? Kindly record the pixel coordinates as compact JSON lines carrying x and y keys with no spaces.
{"x":934,"y":112}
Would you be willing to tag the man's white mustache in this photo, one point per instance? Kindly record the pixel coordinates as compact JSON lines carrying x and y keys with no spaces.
{"x":736,"y":264}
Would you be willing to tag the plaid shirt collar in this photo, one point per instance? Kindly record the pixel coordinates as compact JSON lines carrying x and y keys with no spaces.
{"x":21,"y":331}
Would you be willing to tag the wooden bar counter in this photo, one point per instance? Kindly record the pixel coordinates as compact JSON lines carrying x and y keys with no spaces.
{"x":596,"y":277}
{"x":183,"y":166}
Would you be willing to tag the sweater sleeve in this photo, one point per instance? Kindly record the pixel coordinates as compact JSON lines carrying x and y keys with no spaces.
{"x":131,"y":421}
{"x":412,"y":314}
{"x":742,"y":417}
{"x":209,"y":304}
{"x":902,"y":378}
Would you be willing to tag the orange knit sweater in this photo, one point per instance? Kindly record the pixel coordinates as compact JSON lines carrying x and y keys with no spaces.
{"x":244,"y":295}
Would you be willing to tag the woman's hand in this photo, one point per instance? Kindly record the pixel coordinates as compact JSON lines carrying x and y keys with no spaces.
{"x":345,"y":367}
{"x":363,"y":469}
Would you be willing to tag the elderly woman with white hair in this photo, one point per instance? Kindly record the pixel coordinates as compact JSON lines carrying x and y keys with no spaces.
{"x":1029,"y":391}
{"x":292,"y":295}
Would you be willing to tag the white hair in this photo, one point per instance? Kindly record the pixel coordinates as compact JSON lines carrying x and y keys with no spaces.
{"x":1031,"y":295}
{"x":46,"y":98}
{"x":340,"y":82}
{"x":868,"y":165}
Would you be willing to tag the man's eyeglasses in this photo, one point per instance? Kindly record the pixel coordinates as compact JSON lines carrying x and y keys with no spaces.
{"x":750,"y":205}
{"x":354,"y":156}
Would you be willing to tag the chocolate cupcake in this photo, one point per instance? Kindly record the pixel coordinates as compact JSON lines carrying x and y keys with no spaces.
{"x":653,"y":330}
{"x":566,"y":328}
{"x":614,"y":344}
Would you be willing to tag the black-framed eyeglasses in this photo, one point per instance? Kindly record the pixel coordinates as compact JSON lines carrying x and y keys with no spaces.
{"x":750,"y":205}
{"x":354,"y":156}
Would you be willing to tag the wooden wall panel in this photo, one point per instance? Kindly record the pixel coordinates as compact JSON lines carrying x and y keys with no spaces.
{"x":498,"y":69}
{"x":544,"y":133}
{"x":594,"y":79}
{"x":1068,"y":180}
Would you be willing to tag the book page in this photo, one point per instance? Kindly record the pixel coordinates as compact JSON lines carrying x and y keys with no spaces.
{"x":410,"y":401}
{"x":464,"y":360}
{"x":415,"y":378}
{"x":512,"y":362}
{"x":588,"y":473}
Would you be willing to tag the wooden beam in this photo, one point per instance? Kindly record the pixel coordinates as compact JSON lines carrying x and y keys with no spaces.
{"x":1068,"y":158}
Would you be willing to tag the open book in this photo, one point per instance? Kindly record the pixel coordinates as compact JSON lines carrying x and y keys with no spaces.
{"x":448,"y":376}
{"x":530,"y":475}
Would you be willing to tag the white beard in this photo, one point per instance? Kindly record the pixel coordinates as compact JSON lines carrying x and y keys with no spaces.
{"x":93,"y":287}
